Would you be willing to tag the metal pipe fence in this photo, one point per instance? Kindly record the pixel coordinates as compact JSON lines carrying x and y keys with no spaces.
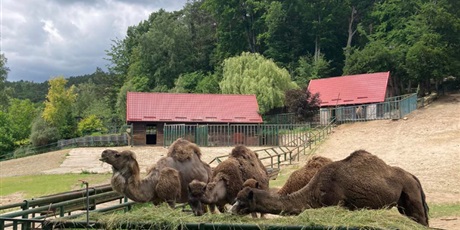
{"x":57,"y":205}
{"x":392,"y":108}
{"x":95,"y":141}
{"x":233,"y":134}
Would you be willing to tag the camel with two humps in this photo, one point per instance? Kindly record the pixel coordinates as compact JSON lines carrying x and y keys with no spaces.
{"x":360,"y":181}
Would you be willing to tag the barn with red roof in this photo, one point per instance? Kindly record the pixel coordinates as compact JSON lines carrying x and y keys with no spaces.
{"x":353,"y":96}
{"x":149,"y":112}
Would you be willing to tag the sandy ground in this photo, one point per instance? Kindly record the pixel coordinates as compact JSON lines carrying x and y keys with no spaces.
{"x":426,"y":143}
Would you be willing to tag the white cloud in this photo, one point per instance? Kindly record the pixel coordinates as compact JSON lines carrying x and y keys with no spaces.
{"x":42,"y":39}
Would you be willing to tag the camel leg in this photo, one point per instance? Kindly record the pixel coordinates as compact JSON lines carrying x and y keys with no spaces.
{"x":254,"y":214}
{"x":171,"y":203}
{"x":212,"y":208}
{"x":221,"y":208}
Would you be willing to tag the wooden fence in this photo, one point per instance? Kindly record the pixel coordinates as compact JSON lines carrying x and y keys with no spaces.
{"x":233,"y":134}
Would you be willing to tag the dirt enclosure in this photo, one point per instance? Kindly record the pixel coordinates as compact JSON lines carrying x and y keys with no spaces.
{"x":425,"y":143}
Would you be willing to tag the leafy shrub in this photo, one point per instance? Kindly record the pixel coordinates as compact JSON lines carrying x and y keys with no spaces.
{"x":89,"y":125}
{"x":43,"y":133}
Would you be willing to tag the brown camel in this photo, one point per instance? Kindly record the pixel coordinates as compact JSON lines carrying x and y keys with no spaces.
{"x":361,"y":180}
{"x":126,"y":179}
{"x":228,"y":178}
{"x":299,"y":178}
{"x":183,"y":156}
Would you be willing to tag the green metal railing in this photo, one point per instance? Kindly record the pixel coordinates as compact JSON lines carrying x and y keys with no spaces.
{"x":232,"y":134}
{"x":392,"y":108}
{"x":273,"y":157}
{"x":57,"y":205}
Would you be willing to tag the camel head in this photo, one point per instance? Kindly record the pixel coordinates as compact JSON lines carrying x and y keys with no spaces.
{"x":120,"y":160}
{"x":196,"y":190}
{"x":245,"y":202}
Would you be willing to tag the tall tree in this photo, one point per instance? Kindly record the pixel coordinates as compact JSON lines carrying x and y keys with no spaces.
{"x":6,"y":135}
{"x":20,"y":113}
{"x":202,"y":29}
{"x":311,"y":68}
{"x":239,"y":25}
{"x":4,"y":90}
{"x":58,"y":107}
{"x":358,"y":12}
{"x":251,"y":73}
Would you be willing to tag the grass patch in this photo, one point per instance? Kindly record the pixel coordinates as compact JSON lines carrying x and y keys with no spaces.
{"x":165,"y":218}
{"x":283,"y":175}
{"x":444,"y":210}
{"x":40,"y":185}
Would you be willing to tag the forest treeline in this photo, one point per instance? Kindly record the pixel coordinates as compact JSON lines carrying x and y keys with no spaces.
{"x":269,"y":48}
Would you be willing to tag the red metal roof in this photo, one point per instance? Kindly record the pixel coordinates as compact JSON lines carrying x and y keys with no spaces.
{"x":182,"y":107}
{"x":352,"y":89}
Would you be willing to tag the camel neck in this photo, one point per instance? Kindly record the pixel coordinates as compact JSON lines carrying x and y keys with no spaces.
{"x":276,"y":204}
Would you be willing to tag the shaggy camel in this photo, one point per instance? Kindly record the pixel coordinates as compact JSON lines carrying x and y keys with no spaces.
{"x":183,"y":156}
{"x":253,"y":183}
{"x":299,"y":178}
{"x":126,"y":179}
{"x":361,"y":180}
{"x":228,"y":178}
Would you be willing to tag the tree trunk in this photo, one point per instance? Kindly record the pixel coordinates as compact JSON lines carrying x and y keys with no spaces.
{"x":351,"y":31}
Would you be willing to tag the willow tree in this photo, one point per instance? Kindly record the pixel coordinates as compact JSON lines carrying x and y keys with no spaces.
{"x":251,"y":73}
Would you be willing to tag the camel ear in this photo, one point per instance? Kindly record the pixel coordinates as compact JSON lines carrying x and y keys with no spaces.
{"x":204,"y":188}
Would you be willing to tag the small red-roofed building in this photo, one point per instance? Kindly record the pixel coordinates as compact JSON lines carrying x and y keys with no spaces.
{"x":149,"y":112}
{"x":352,"y":97}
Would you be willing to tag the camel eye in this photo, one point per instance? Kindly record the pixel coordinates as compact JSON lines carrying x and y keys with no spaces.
{"x":117,"y":155}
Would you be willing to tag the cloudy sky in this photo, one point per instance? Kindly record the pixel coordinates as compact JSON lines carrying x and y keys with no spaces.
{"x":47,"y":38}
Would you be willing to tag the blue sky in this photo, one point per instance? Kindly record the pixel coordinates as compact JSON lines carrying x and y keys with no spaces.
{"x":46,"y":38}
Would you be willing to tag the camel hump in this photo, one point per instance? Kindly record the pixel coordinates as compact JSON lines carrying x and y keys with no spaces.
{"x":318,"y":162}
{"x":363,"y":157}
{"x":183,"y":150}
{"x":241,"y":151}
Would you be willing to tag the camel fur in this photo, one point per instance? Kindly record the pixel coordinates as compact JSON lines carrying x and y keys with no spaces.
{"x":253,"y":183}
{"x":183,"y":156}
{"x":299,"y":178}
{"x":361,"y":180}
{"x":126,"y":179}
{"x":228,"y":178}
